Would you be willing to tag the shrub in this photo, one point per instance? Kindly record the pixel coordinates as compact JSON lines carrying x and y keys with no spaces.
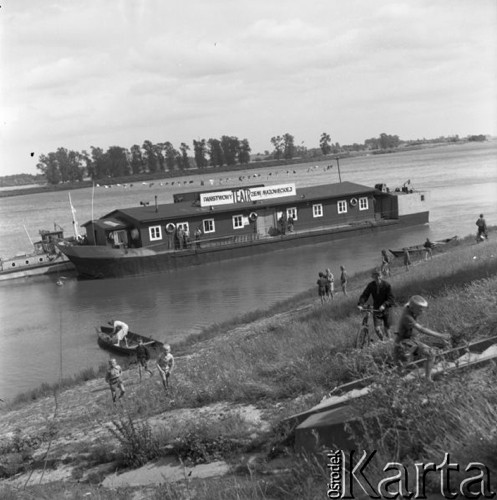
{"x":137,"y":443}
{"x":203,"y":441}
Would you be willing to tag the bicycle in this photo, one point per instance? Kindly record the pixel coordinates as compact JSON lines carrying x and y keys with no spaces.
{"x":363,"y":337}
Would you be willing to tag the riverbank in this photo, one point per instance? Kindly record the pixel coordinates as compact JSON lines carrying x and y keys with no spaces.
{"x":232,"y":387}
{"x":254,"y":165}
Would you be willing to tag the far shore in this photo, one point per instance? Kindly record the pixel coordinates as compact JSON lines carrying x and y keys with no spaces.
{"x":47,"y":188}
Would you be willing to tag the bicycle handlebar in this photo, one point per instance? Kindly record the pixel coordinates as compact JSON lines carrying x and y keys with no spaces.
{"x":368,"y":309}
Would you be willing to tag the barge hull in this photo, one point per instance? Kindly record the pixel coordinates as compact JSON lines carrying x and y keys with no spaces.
{"x":118,"y":263}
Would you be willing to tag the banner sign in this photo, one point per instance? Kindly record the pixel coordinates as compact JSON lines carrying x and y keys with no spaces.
{"x":244,"y":195}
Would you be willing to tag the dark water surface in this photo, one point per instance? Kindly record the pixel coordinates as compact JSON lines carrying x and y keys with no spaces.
{"x":38,"y":317}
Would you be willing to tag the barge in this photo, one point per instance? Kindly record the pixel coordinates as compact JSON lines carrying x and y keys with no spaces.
{"x":214,"y":225}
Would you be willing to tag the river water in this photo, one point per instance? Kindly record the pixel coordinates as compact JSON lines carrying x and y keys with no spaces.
{"x":46,"y":327}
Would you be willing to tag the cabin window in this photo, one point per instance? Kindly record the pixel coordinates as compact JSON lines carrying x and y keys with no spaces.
{"x":209,"y":226}
{"x":155,"y":233}
{"x":342,"y":206}
{"x":291,"y":212}
{"x":237,"y":221}
{"x":317,"y":210}
{"x":363,"y":203}
{"x":185,"y":226}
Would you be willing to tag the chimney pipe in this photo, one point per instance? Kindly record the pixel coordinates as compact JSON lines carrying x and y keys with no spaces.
{"x":156,"y":207}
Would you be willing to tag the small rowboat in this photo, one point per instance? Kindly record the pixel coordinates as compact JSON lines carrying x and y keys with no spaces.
{"x":107,"y":341}
{"x":421,"y":248}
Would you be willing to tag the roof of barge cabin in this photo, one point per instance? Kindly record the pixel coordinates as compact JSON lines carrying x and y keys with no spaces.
{"x":188,"y":209}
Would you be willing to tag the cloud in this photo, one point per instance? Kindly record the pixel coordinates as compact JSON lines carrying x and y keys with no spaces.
{"x":290,"y":32}
{"x":106,"y":73}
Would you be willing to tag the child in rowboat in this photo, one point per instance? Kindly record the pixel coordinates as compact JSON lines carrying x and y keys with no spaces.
{"x":120,"y":329}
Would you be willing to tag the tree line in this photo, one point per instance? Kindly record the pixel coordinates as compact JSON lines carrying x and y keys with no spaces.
{"x":66,"y":165}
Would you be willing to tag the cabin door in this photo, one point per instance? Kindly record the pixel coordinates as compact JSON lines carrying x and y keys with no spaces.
{"x":266,"y":224}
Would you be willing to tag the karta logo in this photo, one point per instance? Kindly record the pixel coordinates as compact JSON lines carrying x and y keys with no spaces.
{"x":348,"y":476}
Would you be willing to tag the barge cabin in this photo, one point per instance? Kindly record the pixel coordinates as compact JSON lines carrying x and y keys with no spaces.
{"x":220,"y":224}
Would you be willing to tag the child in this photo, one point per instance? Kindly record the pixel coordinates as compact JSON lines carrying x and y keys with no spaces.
{"x":322,"y":283}
{"x":113,"y":378}
{"x":407,"y":259}
{"x":330,"y":285}
{"x":385,"y":263}
{"x":165,"y":365}
{"x":406,"y":345}
{"x":142,"y":356}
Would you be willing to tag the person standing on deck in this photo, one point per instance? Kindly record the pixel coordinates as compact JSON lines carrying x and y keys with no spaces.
{"x":120,"y":329}
{"x":290,"y":224}
{"x":180,"y":235}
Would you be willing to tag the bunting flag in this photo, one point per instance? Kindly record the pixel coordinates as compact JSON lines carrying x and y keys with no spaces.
{"x":74,"y":221}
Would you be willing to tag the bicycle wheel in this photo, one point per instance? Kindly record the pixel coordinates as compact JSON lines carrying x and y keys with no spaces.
{"x":362,"y":338}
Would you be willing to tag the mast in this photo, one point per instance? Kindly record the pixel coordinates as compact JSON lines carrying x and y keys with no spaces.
{"x":74,"y":221}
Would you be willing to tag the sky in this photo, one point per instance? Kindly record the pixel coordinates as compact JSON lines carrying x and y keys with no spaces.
{"x":82,"y":73}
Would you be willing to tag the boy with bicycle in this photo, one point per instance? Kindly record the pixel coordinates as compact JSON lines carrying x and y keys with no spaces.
{"x":406,"y":345}
{"x":383,"y":299}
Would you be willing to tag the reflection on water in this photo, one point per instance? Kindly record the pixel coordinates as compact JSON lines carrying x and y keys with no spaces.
{"x":39,"y":317}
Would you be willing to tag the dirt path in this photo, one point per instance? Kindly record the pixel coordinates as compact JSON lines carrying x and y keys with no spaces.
{"x":65,"y":431}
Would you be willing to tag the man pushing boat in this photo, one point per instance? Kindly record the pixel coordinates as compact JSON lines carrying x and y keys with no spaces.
{"x":120,"y":329}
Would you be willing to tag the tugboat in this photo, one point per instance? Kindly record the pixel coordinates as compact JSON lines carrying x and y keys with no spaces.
{"x":45,"y":258}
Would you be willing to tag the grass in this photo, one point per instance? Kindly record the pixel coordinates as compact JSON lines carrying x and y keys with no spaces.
{"x":295,"y":360}
{"x":409,"y":422}
{"x":305,"y":355}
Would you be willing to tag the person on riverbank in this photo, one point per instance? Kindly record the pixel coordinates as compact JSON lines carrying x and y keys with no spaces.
{"x":330,"y":285}
{"x":385,"y":263}
{"x":383,"y":300}
{"x":113,"y":378}
{"x":120,"y":329}
{"x":407,"y":259}
{"x":322,"y":282}
{"x":428,"y":246}
{"x":165,"y":365}
{"x":344,"y":278}
{"x":143,"y":356}
{"x":482,"y":229}
{"x":406,"y":345}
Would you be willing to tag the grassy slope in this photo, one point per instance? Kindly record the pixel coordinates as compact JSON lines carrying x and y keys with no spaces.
{"x":290,"y":360}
